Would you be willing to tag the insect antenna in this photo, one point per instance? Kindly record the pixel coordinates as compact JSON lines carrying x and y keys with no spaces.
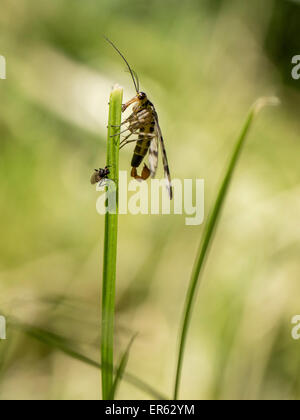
{"x":132,"y":72}
{"x":137,"y":80}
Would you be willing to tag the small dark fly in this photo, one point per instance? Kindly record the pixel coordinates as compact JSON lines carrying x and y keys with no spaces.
{"x":100,"y":175}
{"x":144,"y":123}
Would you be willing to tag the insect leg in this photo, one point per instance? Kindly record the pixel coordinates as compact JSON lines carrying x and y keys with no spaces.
{"x":133,"y":128}
{"x":121,"y":132}
{"x":127,"y":142}
{"x":124,"y":122}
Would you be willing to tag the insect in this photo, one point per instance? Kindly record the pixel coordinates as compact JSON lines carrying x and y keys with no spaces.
{"x":144,"y":123}
{"x":99,"y":175}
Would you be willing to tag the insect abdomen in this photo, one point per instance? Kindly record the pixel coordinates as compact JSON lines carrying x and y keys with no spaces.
{"x":141,"y":148}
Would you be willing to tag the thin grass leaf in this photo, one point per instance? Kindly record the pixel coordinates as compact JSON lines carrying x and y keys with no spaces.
{"x":121,"y":369}
{"x":110,"y":245}
{"x":62,"y":344}
{"x":209,"y":234}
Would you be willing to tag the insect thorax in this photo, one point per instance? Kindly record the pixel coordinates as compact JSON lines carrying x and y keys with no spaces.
{"x":141,"y":117}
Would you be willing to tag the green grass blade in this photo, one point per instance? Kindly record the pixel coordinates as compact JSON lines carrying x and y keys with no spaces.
{"x":121,"y":369}
{"x":208,"y":235}
{"x":63,"y":345}
{"x":110,"y":246}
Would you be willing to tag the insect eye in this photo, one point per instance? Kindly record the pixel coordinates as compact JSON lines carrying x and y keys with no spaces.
{"x":142,"y":95}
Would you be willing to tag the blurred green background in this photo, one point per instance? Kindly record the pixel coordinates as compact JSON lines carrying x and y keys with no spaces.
{"x":202,"y":63}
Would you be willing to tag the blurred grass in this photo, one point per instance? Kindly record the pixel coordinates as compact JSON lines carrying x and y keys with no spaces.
{"x":208,"y":236}
{"x":214,"y":57}
{"x":58,"y":343}
{"x":121,"y":370}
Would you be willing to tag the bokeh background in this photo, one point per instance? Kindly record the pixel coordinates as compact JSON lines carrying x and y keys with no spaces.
{"x":202,"y":63}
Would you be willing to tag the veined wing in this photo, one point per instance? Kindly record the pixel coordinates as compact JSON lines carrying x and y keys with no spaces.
{"x":164,"y":156}
{"x":153,"y":156}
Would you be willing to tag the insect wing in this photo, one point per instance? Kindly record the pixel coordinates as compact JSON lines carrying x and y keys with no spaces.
{"x":164,"y":157}
{"x":95,"y":178}
{"x":153,"y":156}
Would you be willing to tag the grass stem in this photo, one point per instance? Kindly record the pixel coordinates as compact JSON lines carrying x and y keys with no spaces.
{"x":110,"y":246}
{"x":209,"y":234}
